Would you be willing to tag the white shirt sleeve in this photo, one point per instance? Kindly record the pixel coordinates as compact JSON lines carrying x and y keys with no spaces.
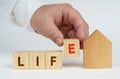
{"x":21,"y":10}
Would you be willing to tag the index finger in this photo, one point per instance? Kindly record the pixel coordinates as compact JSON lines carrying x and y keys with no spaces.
{"x":73,"y":17}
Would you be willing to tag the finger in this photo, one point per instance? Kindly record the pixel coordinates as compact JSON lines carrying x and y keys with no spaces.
{"x":55,"y":34}
{"x":80,"y":27}
{"x":72,"y":33}
{"x":86,"y":32}
{"x":65,"y":29}
{"x":74,"y":18}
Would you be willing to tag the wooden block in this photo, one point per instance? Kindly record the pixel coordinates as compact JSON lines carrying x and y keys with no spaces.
{"x":21,"y":60}
{"x":54,"y":59}
{"x":71,"y":47}
{"x":37,"y":60}
{"x":97,"y":51}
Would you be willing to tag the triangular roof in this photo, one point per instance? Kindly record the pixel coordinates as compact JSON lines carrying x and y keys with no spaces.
{"x":96,"y":33}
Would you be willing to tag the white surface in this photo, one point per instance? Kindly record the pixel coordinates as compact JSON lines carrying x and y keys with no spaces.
{"x":103,"y":15}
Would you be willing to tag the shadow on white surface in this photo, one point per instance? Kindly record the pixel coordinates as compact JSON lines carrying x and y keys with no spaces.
{"x":79,"y":65}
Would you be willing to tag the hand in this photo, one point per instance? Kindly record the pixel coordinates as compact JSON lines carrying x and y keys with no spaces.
{"x":59,"y":21}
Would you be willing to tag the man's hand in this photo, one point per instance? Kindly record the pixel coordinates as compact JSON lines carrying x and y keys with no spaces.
{"x":59,"y":21}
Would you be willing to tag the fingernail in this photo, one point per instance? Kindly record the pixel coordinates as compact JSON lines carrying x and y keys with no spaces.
{"x":59,"y":42}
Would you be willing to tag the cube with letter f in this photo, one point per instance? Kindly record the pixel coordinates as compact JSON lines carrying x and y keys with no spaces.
{"x":71,"y":47}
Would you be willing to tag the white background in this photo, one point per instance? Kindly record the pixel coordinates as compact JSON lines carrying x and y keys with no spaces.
{"x":103,"y":15}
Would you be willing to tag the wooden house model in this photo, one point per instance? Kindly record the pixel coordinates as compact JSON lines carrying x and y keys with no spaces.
{"x":97,"y":51}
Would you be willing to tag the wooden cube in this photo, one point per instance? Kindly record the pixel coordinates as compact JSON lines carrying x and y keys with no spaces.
{"x":71,"y":47}
{"x":21,"y":60}
{"x":37,"y":60}
{"x":54,"y":59}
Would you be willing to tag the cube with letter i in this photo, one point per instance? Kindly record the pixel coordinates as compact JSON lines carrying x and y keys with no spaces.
{"x":71,"y":47}
{"x":37,"y":60}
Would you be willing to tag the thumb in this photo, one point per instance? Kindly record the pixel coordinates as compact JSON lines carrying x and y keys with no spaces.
{"x":55,"y":34}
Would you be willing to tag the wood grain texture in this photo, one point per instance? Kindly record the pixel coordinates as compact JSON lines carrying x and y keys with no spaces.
{"x":54,"y":59}
{"x":71,"y":47}
{"x":37,"y":60}
{"x":21,"y":60}
{"x":97,"y":51}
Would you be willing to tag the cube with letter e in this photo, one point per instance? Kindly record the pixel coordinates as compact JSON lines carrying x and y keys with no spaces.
{"x":71,"y":47}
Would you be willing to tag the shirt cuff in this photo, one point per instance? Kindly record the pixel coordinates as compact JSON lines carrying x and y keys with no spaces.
{"x":24,"y":9}
{"x":33,"y":6}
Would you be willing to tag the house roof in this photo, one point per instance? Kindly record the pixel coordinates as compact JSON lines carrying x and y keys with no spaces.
{"x":97,"y":34}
